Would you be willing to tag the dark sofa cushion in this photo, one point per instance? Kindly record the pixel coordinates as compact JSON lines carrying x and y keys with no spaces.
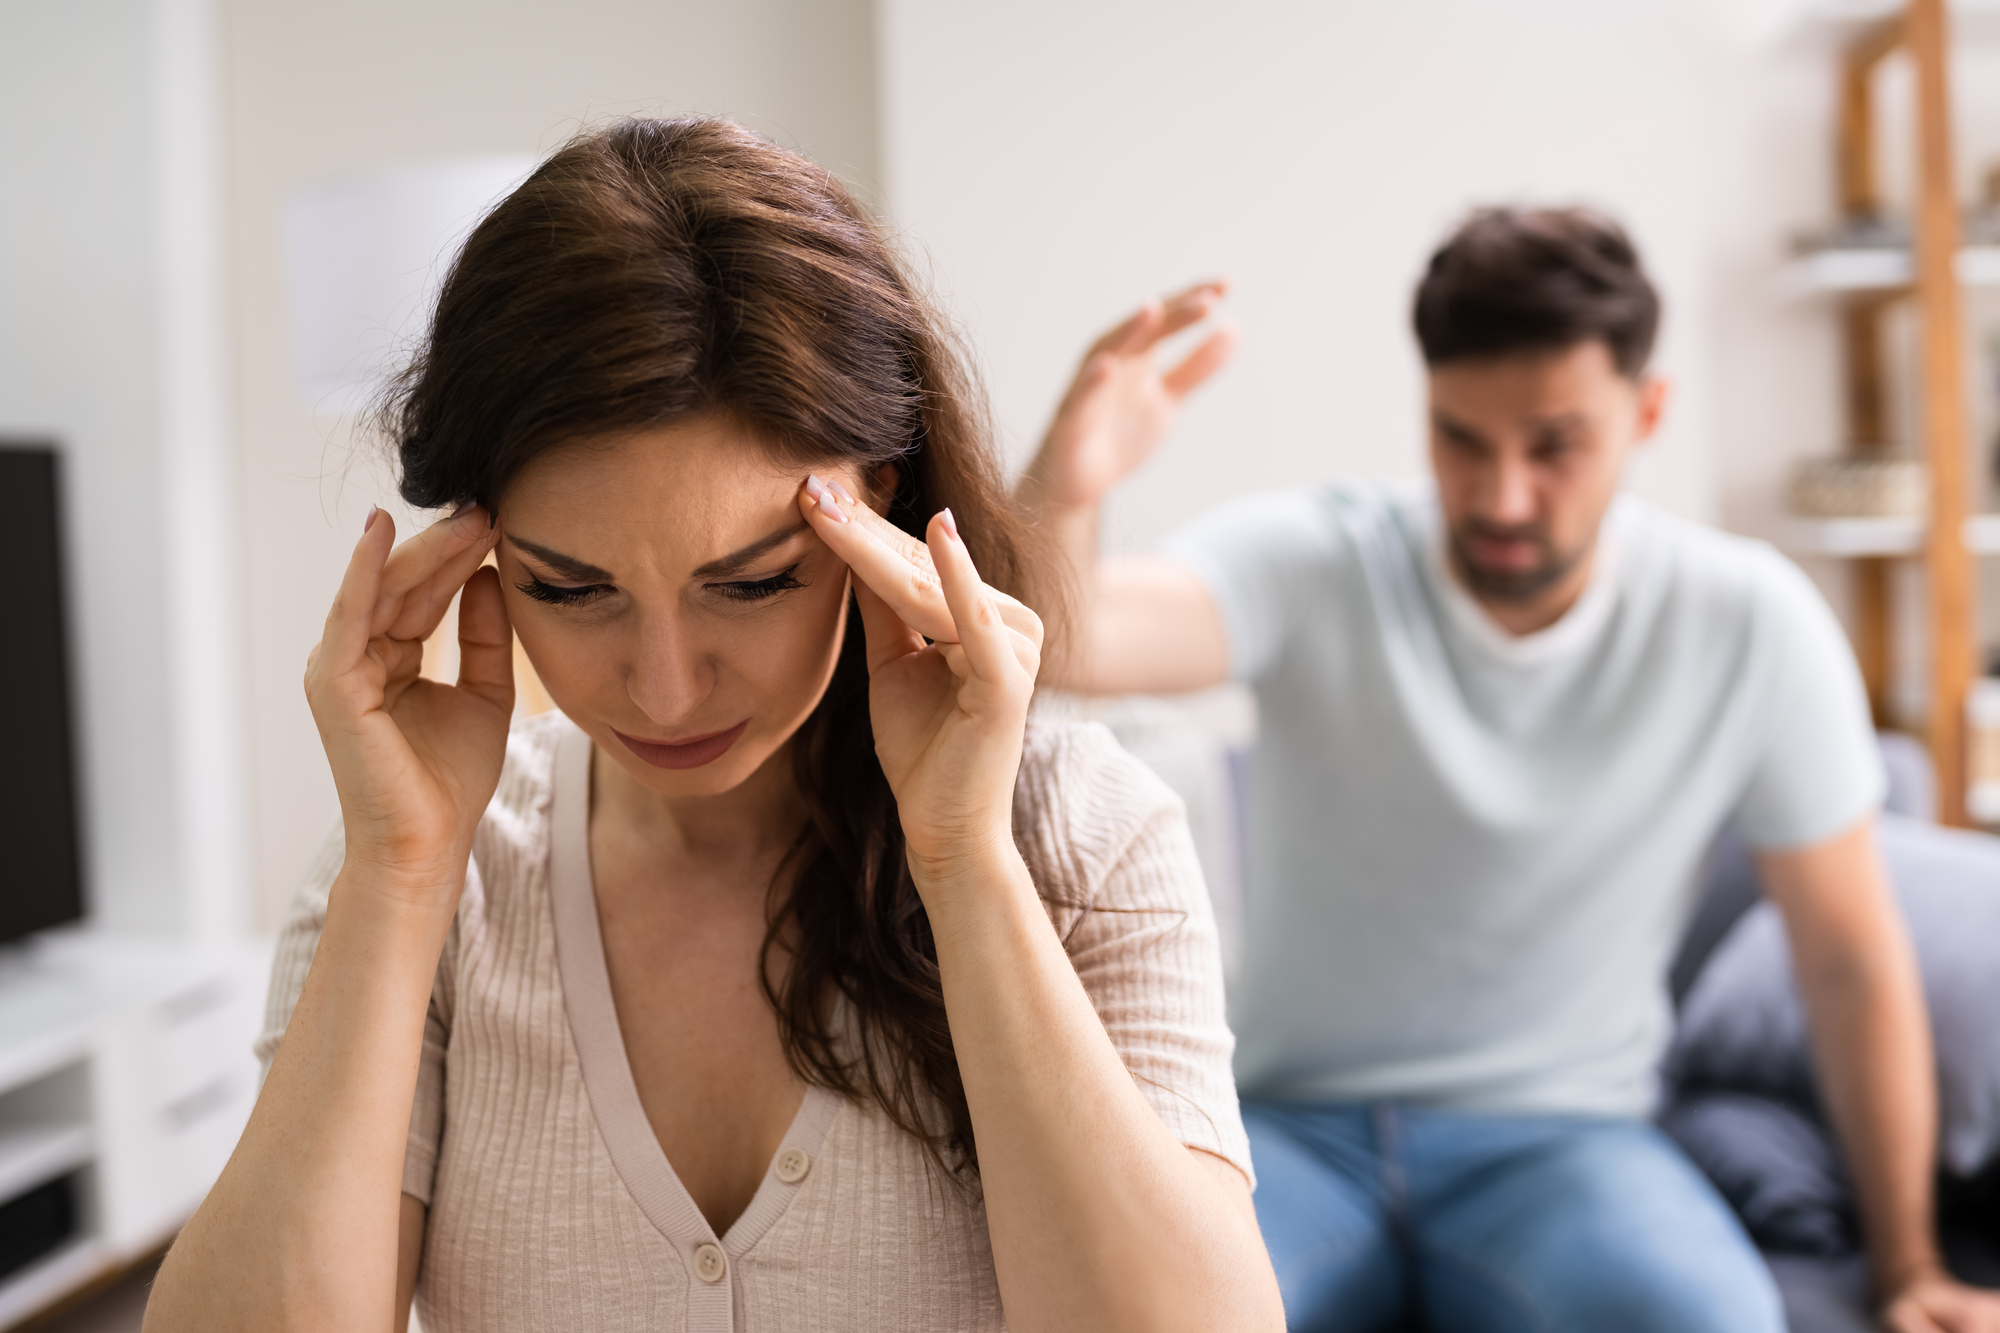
{"x":1742,"y":1028}
{"x":1776,"y":1167}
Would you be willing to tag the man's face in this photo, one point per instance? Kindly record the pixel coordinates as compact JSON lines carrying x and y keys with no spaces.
{"x":1528,"y":450}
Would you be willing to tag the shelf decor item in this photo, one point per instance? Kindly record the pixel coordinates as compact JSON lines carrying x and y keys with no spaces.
{"x":1861,"y":487}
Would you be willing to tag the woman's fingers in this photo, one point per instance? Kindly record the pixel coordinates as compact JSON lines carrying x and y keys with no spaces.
{"x":423,"y":574}
{"x":888,"y":638}
{"x":486,"y":641}
{"x":897,"y":567}
{"x":989,"y":642}
{"x":894,"y":565}
{"x":345,"y":640}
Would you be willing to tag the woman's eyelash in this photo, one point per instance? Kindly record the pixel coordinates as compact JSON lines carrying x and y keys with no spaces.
{"x":556,"y":595}
{"x":762,"y":588}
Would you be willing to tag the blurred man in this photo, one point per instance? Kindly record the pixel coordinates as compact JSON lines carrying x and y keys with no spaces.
{"x":1502,"y":717}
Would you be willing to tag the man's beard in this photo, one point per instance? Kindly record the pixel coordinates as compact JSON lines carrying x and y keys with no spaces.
{"x":1512,"y":585}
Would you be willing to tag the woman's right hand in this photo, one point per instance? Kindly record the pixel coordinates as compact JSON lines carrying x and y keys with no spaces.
{"x":415,"y":761}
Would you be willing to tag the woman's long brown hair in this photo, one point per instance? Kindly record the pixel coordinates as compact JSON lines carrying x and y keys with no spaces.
{"x":657,"y":270}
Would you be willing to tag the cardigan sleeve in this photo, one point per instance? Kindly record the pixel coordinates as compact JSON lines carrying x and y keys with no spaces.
{"x":1108,"y":844}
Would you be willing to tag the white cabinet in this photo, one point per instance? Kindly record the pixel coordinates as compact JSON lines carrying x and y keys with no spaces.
{"x":125,"y":1066}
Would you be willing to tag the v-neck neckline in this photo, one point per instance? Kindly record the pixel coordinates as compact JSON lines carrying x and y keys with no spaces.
{"x":607,"y":1072}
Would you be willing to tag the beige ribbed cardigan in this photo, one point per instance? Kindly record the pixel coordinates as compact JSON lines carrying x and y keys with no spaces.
{"x":552,"y":1206}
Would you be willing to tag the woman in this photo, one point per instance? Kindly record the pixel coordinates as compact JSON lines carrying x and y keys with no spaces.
{"x":728,"y":996}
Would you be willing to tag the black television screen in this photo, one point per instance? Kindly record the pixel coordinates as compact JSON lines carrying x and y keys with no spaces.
{"x":40,"y":883}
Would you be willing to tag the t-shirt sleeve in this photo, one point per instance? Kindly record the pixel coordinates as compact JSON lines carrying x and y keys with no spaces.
{"x":1818,"y":770}
{"x":1115,"y":859}
{"x":298,"y":940}
{"x":1254,"y":554}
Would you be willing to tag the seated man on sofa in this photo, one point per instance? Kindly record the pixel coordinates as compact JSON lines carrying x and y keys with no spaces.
{"x":1502,"y":716}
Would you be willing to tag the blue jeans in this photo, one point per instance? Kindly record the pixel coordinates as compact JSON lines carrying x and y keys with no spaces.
{"x":1383,"y":1213}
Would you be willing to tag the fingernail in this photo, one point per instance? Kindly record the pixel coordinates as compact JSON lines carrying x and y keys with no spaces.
{"x":840,"y":491}
{"x":369,"y":522}
{"x":950,"y":524}
{"x":815,"y":487}
{"x":463,"y":509}
{"x":829,"y":508}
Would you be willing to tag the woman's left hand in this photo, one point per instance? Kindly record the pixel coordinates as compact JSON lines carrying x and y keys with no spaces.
{"x":948,"y":715}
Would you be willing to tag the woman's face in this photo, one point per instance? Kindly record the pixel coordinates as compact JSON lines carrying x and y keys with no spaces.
{"x":676,"y":606}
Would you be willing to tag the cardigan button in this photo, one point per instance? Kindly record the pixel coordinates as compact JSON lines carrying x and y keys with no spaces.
{"x":793,"y":1165}
{"x":709,"y":1263}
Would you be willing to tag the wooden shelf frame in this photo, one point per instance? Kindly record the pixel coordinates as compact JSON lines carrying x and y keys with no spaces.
{"x":1936,"y":270}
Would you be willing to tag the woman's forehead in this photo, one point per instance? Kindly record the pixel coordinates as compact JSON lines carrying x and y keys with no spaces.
{"x":667,"y":499}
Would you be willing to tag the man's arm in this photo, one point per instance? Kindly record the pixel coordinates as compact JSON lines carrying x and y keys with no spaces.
{"x":1858,"y":976}
{"x":1143,"y":624}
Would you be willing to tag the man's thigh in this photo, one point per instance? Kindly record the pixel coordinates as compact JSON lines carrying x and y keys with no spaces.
{"x":1564,"y":1224}
{"x":1321,"y":1208}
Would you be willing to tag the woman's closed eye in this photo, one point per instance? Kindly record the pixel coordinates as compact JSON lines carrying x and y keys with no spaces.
{"x":558,"y":594}
{"x":756,"y":590}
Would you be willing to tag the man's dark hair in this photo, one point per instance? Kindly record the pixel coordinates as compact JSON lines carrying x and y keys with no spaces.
{"x":1513,"y":281}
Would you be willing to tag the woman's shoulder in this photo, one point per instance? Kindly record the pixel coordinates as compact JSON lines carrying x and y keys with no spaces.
{"x":1082,"y":802}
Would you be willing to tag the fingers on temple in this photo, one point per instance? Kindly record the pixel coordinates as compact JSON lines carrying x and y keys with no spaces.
{"x":888,"y":637}
{"x":486,"y":640}
{"x":348,"y":621}
{"x":888,"y":561}
{"x":986,"y":637}
{"x":424,"y":573}
{"x":1210,"y":356}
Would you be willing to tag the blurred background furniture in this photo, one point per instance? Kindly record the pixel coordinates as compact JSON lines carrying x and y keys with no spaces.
{"x":1867,"y":265}
{"x":125,"y":1078}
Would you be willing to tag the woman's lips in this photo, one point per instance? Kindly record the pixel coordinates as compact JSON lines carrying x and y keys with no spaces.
{"x":687,"y":754}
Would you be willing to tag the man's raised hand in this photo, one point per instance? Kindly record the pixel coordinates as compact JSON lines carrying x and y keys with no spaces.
{"x":1121,"y":405}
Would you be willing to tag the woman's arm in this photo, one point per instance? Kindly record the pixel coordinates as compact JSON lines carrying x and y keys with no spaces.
{"x":1099,"y":1218}
{"x":306,"y":1226}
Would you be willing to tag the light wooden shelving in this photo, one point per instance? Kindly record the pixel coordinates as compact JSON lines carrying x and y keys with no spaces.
{"x":1865,"y":282}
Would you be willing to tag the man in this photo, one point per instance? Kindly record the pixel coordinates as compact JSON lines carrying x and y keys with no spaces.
{"x":1502,"y":717}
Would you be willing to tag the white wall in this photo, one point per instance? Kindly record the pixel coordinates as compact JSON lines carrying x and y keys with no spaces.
{"x":1060,"y":162}
{"x":111,"y":343}
{"x":321,"y":91}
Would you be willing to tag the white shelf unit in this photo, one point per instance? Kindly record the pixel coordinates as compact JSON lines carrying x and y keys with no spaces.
{"x":1840,"y":272}
{"x":1881,"y":536}
{"x":125,"y":1065}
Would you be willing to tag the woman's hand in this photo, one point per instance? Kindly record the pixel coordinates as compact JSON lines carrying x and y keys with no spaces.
{"x":1120,"y":406}
{"x":948,"y":715}
{"x":415,"y":761}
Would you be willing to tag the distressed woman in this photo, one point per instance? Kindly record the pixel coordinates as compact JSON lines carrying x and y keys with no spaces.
{"x":786,"y":977}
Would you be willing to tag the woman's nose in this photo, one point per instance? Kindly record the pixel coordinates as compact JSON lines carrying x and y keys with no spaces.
{"x":666,"y":677}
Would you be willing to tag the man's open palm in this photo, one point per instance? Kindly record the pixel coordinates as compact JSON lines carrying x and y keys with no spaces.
{"x":1120,"y":405}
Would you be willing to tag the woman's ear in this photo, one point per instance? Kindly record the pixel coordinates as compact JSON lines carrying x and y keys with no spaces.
{"x":882,"y":487}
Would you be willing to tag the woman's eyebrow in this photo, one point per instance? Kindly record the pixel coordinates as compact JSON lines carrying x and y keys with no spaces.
{"x":568,"y":566}
{"x":735,"y":561}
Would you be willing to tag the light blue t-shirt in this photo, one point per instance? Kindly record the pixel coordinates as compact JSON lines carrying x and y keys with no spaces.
{"x":1471,"y":855}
